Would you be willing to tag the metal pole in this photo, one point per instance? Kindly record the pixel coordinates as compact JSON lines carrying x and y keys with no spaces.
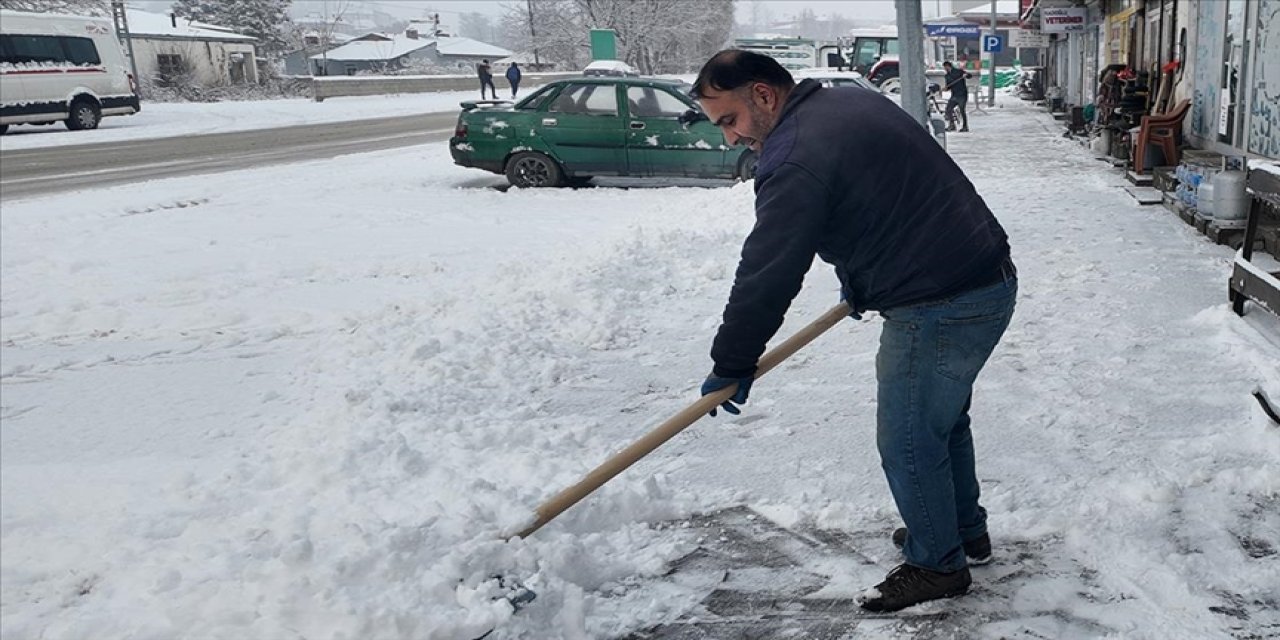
{"x":991,"y":69}
{"x":327,"y":34}
{"x":911,"y":59}
{"x":533,"y":35}
{"x":121,"y":16}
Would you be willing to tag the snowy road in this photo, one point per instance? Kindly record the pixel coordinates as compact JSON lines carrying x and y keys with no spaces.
{"x":57,"y":169}
{"x":303,"y":401}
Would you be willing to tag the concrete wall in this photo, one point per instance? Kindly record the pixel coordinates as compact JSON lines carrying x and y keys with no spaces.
{"x":210,"y":62}
{"x":332,"y":87}
{"x":1264,"y":112}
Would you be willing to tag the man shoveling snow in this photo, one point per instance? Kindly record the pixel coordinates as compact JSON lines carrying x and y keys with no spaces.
{"x":847,"y":175}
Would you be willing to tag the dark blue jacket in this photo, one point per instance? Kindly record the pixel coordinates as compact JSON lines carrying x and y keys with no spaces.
{"x":849,"y":176}
{"x":513,"y":74}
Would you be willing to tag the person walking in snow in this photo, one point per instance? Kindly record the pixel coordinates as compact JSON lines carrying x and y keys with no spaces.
{"x":486,"y":79}
{"x":513,"y":77}
{"x":955,"y":83}
{"x":851,"y":177}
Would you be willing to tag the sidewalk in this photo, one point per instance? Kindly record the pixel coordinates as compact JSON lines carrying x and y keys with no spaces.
{"x":1132,"y":483}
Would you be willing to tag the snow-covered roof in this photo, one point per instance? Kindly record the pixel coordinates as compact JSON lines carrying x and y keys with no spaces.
{"x":390,"y":47}
{"x":610,"y":65}
{"x":144,"y":23}
{"x":455,"y":46}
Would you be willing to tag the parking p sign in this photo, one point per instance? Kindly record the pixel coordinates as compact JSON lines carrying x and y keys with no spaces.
{"x":992,"y":44}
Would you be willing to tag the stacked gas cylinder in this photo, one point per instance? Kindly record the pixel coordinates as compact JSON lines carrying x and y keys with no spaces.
{"x":1213,"y":192}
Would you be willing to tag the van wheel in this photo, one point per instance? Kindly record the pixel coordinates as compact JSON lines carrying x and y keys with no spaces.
{"x":747,"y":166}
{"x":84,"y":115}
{"x":532,"y":169}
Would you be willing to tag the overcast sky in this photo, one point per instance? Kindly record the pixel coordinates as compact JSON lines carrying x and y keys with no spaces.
{"x":870,"y":9}
{"x":779,"y":9}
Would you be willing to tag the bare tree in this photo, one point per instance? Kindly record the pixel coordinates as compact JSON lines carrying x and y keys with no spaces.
{"x":655,"y":36}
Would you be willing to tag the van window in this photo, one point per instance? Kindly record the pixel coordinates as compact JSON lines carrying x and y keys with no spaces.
{"x":21,"y":49}
{"x":80,"y":51}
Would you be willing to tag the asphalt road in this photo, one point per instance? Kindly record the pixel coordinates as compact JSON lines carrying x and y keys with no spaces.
{"x":33,"y":172}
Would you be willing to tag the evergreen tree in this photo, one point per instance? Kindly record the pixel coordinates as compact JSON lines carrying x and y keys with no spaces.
{"x":265,"y":20}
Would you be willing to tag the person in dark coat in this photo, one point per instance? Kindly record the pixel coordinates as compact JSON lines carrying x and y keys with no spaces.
{"x":955,"y":82}
{"x":513,"y":77}
{"x":486,"y":79}
{"x":846,"y":174}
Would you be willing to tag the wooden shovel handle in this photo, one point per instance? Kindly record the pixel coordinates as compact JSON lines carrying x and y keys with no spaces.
{"x":677,"y":423}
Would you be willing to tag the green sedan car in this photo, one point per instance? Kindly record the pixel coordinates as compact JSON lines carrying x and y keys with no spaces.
{"x":574,"y":129}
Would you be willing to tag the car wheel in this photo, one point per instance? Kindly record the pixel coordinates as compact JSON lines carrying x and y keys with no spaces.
{"x":891,"y":85}
{"x":747,"y":166}
{"x":4,"y":128}
{"x":532,"y":169}
{"x":84,"y":115}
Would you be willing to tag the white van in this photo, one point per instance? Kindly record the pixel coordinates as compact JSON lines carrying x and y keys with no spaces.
{"x":57,"y":67}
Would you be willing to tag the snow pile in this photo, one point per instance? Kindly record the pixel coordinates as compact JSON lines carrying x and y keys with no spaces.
{"x":423,"y":432}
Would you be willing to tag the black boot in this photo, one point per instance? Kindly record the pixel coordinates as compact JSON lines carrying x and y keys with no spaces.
{"x":909,"y":585}
{"x":978,"y":550}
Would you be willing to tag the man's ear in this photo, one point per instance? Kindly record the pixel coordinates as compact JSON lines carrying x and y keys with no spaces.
{"x":763,"y":94}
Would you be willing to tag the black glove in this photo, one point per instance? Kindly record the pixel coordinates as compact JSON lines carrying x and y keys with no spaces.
{"x":714,"y":383}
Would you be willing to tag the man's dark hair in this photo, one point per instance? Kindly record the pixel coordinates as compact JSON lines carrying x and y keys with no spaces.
{"x":734,"y":68}
{"x":947,"y":64}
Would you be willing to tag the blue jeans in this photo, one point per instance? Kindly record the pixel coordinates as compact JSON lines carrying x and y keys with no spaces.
{"x":929,"y":356}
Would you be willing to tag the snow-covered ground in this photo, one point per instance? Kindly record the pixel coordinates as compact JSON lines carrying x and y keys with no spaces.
{"x":271,"y":404}
{"x":169,"y":119}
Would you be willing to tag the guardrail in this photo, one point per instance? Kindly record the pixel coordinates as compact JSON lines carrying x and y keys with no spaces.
{"x":337,"y":86}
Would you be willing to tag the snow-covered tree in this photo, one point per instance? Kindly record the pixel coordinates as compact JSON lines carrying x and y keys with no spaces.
{"x":70,"y":7}
{"x":266,"y":20}
{"x":655,"y":36}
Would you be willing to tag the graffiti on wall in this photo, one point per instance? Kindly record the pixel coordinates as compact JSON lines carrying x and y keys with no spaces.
{"x":1208,"y":69}
{"x":1264,"y":111}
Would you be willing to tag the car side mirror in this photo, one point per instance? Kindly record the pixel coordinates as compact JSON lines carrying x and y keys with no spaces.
{"x":691,"y":116}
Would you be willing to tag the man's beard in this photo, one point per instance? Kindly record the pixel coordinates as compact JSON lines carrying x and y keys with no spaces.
{"x":761,"y":125}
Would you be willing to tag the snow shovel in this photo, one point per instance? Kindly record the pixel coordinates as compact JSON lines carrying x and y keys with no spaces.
{"x":677,"y":423}
{"x":519,"y":595}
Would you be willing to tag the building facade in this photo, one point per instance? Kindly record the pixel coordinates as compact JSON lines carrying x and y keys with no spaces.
{"x":1221,"y":55}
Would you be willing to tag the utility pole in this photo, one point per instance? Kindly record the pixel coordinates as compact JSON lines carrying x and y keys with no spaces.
{"x":911,"y":59}
{"x":121,"y":19}
{"x":533,"y":35}
{"x":991,"y":70}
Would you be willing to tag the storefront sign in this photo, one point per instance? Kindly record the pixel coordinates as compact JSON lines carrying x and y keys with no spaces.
{"x":960,"y":30}
{"x":1063,"y":19}
{"x":1024,"y":38}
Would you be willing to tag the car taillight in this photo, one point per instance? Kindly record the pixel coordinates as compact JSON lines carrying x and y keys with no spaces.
{"x":461,"y":130}
{"x":133,"y":84}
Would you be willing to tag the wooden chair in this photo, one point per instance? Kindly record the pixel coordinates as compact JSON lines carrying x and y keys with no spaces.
{"x":1164,"y":131}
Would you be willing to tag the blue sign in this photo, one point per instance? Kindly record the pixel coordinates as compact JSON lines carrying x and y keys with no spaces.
{"x":962,"y":30}
{"x":992,"y":44}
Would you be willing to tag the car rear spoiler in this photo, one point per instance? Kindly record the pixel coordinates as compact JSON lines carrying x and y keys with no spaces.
{"x":468,"y":105}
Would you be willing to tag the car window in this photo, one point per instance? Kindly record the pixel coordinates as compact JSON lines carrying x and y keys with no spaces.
{"x":648,"y":102}
{"x":534,"y":102}
{"x":587,"y":99}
